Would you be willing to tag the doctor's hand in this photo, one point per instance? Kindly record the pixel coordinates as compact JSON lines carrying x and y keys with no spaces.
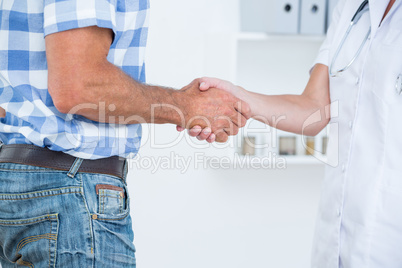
{"x":205,"y":84}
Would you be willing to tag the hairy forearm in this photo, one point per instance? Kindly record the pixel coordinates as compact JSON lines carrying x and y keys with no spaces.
{"x":107,"y":94}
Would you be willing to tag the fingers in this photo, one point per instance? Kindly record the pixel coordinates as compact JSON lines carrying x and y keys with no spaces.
{"x":233,"y":131}
{"x":244,"y":109}
{"x":222,"y":127}
{"x":180,"y":129}
{"x":221,"y":136}
{"x":238,"y":120}
{"x":235,"y":118}
{"x":211,"y":138}
{"x":195,"y":131}
{"x":225,"y":124}
{"x":199,"y":133}
{"x":240,"y":115}
{"x":205,"y":133}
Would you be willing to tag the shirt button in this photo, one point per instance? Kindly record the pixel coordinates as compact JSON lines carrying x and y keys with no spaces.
{"x":350,"y":124}
{"x":339,"y":213}
{"x":343,"y":168}
{"x":398,"y":85}
{"x":357,"y":80}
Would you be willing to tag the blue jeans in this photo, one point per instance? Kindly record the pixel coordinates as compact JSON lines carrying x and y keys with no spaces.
{"x":49,"y":219}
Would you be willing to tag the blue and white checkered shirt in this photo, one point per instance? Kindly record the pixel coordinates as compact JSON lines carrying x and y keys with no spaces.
{"x":31,"y":117}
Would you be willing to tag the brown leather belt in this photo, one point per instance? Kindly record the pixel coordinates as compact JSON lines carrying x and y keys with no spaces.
{"x":42,"y":157}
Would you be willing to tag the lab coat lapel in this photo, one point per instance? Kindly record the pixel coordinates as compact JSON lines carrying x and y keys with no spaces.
{"x":377,"y":9}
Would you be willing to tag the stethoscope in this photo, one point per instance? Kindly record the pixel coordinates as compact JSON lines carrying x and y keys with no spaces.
{"x":356,"y":17}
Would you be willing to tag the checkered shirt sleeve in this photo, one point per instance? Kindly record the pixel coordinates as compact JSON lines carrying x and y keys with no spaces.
{"x":31,"y":116}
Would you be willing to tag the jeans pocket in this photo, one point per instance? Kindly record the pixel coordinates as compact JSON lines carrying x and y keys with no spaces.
{"x":29,"y":242}
{"x":111,"y":199}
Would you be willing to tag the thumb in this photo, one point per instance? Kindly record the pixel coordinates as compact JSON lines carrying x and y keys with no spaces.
{"x":204,"y":86}
{"x":207,"y":83}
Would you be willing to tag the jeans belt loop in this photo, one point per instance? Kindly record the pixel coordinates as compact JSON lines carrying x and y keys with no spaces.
{"x":125,"y":169}
{"x":75,"y":167}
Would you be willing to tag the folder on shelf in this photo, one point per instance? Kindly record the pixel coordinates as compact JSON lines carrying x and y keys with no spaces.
{"x":270,"y":16}
{"x":253,"y":16}
{"x":313,"y":17}
{"x":331,"y":7}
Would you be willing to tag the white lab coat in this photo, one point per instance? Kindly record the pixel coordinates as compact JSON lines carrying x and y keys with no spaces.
{"x":359,"y":222}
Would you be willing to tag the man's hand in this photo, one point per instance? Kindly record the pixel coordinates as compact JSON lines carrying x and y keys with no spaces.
{"x":206,"y":84}
{"x":216,"y":112}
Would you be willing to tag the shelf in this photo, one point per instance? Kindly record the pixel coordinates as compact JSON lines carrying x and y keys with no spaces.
{"x":302,"y":160}
{"x":275,"y":162}
{"x":256,"y":36}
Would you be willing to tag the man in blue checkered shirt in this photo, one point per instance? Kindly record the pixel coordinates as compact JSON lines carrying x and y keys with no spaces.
{"x":72,"y":99}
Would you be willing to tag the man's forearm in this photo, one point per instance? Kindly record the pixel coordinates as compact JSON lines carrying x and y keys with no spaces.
{"x":111,"y":96}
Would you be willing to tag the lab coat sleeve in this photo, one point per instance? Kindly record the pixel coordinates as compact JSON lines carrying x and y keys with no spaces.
{"x":323,"y":54}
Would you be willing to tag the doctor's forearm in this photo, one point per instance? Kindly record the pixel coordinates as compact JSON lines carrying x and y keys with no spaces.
{"x":289,"y":112}
{"x":295,"y":113}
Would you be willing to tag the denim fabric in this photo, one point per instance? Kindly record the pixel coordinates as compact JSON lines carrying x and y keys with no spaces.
{"x":48,"y":219}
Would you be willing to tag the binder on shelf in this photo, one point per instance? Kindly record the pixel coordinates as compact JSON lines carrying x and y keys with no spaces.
{"x":253,"y":15}
{"x":270,"y":16}
{"x":331,"y":7}
{"x":313,"y":17}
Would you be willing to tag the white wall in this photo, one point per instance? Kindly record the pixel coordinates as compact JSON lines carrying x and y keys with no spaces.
{"x":213,"y":218}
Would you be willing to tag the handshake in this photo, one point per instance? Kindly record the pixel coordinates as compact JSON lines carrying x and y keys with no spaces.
{"x":213,"y":109}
